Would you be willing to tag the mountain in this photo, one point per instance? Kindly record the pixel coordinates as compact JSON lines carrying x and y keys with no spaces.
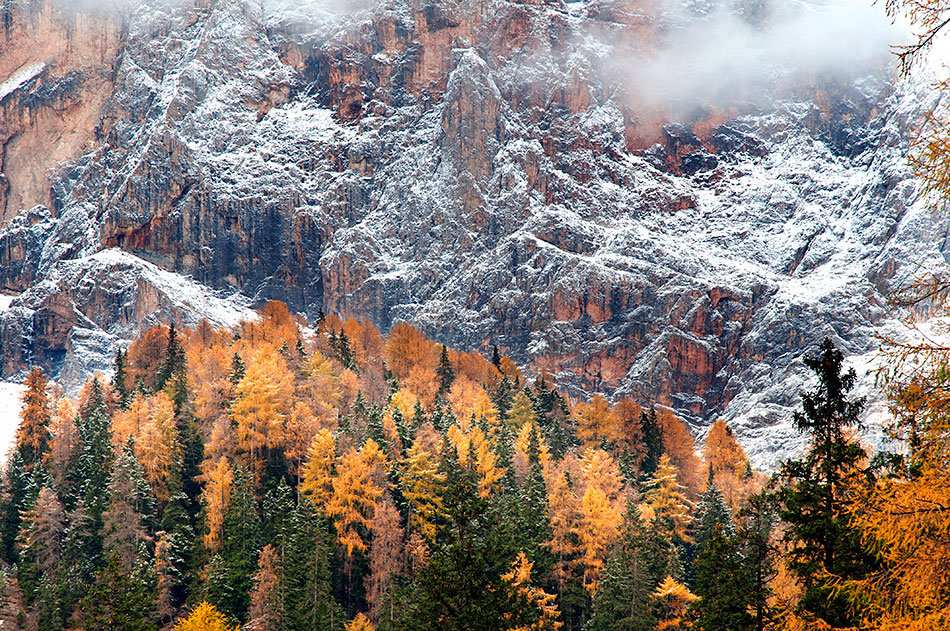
{"x":524,"y":174}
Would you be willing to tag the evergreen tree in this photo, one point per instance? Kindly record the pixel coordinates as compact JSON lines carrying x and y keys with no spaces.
{"x":173,"y":362}
{"x":238,"y":370}
{"x":120,"y":379}
{"x":307,"y":574}
{"x":445,"y":372}
{"x":495,"y":357}
{"x":635,"y":568}
{"x":91,"y":468}
{"x":652,"y":444}
{"x":814,"y":493}
{"x":462,"y":588}
{"x":16,"y":489}
{"x":117,"y":601}
{"x":81,"y":548}
{"x":129,"y":511}
{"x":712,"y":516}
{"x":534,"y":525}
{"x":230,"y":587}
{"x":758,"y":555}
{"x":723,"y":585}
{"x":503,"y":396}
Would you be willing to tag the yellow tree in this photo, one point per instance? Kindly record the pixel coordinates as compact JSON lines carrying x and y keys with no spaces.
{"x":216,"y":495}
{"x":546,"y":604}
{"x":157,"y":447}
{"x":565,"y":544}
{"x":318,"y":473}
{"x":33,"y":433}
{"x":668,"y":501}
{"x":204,"y":617}
{"x":469,"y":400}
{"x":729,"y":464}
{"x":386,"y":557}
{"x":262,"y":400}
{"x":360,"y":623}
{"x":406,"y":348}
{"x":595,"y":420}
{"x":521,"y":411}
{"x":64,"y":437}
{"x":422,"y":485}
{"x":674,"y":598}
{"x":355,"y":492}
{"x":681,"y":448}
{"x":599,"y":528}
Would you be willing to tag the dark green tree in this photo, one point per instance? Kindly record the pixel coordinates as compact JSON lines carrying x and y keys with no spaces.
{"x":461,"y":588}
{"x":635,"y":567}
{"x":534,"y":522}
{"x":813,"y":495}
{"x":90,"y":470}
{"x":174,"y":360}
{"x":445,"y":372}
{"x":117,"y":600}
{"x":723,"y":584}
{"x":120,"y":379}
{"x":308,"y":572}
{"x":652,"y":444}
{"x":237,"y":369}
{"x":233,"y":577}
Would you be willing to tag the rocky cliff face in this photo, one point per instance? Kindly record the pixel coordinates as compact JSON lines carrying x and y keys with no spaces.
{"x":483,"y":169}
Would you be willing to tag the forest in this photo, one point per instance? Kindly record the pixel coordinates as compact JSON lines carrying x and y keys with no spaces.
{"x":282,"y":477}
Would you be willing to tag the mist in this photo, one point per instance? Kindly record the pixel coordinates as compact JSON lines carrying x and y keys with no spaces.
{"x":729,"y":55}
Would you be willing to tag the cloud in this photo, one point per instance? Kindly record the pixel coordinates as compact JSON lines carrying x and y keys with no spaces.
{"x":729,"y":54}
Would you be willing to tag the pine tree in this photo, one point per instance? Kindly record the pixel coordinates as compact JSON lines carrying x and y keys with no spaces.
{"x":120,"y":379}
{"x":238,"y":370}
{"x":308,"y":600}
{"x":534,"y":525}
{"x":230,"y":587}
{"x":724,"y":586}
{"x":635,"y":568}
{"x":445,"y":372}
{"x":125,"y":519}
{"x":33,"y":434}
{"x":462,"y":587}
{"x":91,"y":469}
{"x":117,"y":600}
{"x":173,"y":362}
{"x":814,"y":496}
{"x":652,"y":442}
{"x":16,"y":487}
{"x":712,"y":516}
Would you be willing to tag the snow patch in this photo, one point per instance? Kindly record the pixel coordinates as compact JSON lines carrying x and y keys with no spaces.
{"x":10,"y":394}
{"x":19,"y":78}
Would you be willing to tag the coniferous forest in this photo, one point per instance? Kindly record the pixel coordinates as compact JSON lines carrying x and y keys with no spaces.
{"x":278,"y":477}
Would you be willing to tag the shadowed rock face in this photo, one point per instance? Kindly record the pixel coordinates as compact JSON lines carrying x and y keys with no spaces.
{"x":481,"y":169}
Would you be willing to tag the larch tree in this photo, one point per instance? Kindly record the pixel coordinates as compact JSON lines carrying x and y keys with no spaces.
{"x":668,"y":500}
{"x":319,"y":471}
{"x":33,"y":433}
{"x":386,"y":560}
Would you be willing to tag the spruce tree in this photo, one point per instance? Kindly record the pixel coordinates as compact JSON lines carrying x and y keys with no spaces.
{"x":638,"y":563}
{"x":462,"y":587}
{"x":117,"y":600}
{"x":652,"y":444}
{"x":723,"y":585}
{"x":814,"y":493}
{"x":534,"y":524}
{"x":91,"y":469}
{"x":307,"y":573}
{"x":120,"y":379}
{"x":173,"y":362}
{"x":445,"y":371}
{"x":230,"y":587}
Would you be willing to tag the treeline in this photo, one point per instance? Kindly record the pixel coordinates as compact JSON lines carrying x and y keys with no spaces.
{"x":275,"y":477}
